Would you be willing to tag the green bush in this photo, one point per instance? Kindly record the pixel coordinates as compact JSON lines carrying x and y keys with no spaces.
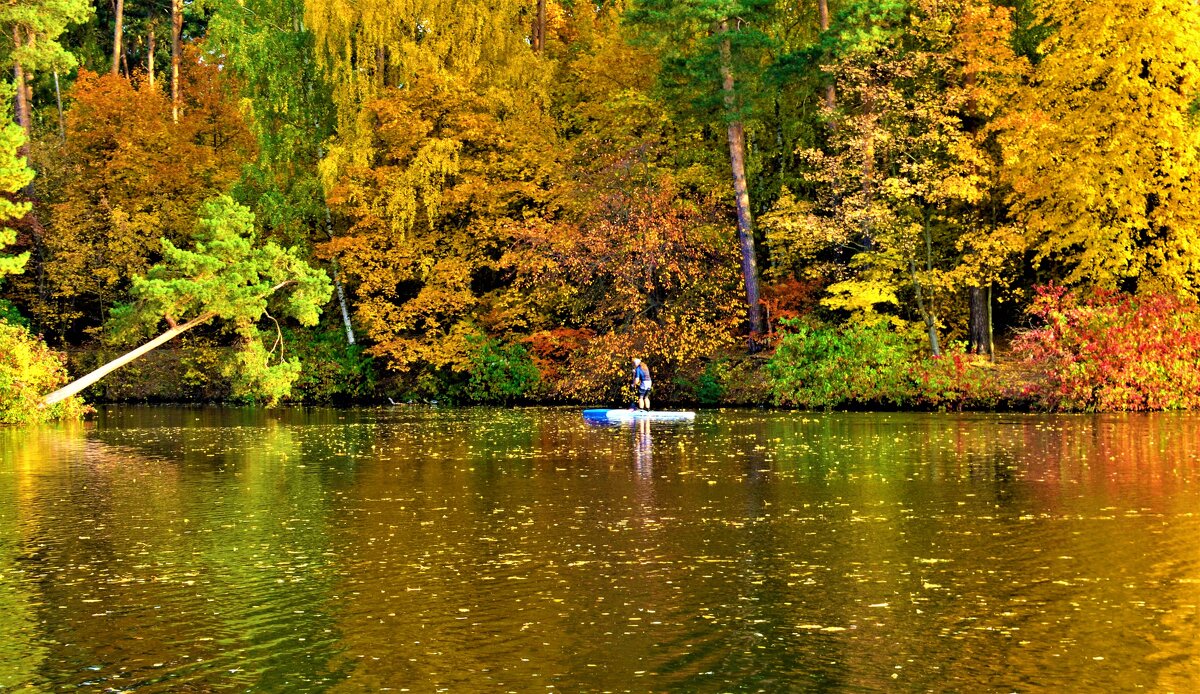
{"x":820,"y":366}
{"x":29,"y":370}
{"x":708,"y":387}
{"x":333,"y":370}
{"x":499,"y":372}
{"x":9,"y":313}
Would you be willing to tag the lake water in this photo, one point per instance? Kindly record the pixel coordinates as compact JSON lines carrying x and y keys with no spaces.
{"x":207,"y":549}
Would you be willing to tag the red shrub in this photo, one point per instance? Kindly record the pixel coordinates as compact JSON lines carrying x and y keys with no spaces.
{"x":552,"y":349}
{"x":1111,"y":351}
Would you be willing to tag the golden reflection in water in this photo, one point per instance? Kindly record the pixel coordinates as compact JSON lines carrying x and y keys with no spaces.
{"x":492,"y":550}
{"x":22,"y":648}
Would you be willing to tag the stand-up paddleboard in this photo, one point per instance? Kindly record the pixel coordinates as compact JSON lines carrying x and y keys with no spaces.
{"x":635,"y":415}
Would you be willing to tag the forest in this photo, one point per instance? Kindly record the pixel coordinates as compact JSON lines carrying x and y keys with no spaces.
{"x":812,"y":203}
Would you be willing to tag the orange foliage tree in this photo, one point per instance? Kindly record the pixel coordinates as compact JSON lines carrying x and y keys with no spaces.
{"x":427,"y":222}
{"x":636,"y":255}
{"x":127,"y":177}
{"x":642,"y":266}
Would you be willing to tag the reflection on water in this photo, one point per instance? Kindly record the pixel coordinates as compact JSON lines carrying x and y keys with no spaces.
{"x":209,"y":549}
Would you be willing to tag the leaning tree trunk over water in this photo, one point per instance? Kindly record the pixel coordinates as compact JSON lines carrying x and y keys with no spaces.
{"x":75,"y":387}
{"x":737,"y":161}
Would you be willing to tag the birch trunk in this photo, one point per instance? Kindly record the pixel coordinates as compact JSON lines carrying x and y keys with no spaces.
{"x":117,"y":37}
{"x":341,"y":295}
{"x":62,"y":128}
{"x":337,"y":280}
{"x":337,"y":283}
{"x":176,"y":30}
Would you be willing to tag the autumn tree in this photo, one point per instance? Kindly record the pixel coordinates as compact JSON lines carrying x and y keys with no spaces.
{"x":27,"y":366}
{"x":633,"y":254}
{"x":32,"y":29}
{"x":710,"y":50}
{"x":909,"y":175}
{"x":134,"y":177}
{"x":633,"y":265}
{"x":428,"y":219}
{"x":15,"y":174}
{"x":441,"y":135}
{"x":228,"y":276}
{"x":1103,"y":151}
{"x":372,"y":45}
{"x":267,"y":46}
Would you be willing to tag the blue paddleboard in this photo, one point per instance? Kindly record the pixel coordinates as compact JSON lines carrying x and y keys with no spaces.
{"x":634,"y":415}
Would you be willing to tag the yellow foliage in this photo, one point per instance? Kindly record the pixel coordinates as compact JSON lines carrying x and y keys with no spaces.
{"x":1103,"y":151}
{"x":861,"y":298}
{"x":451,"y":170}
{"x":797,"y":235}
{"x":368,"y":46}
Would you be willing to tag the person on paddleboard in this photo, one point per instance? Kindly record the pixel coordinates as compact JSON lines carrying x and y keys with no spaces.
{"x":641,"y":381}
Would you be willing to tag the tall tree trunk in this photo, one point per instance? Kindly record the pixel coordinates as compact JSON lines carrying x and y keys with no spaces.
{"x":539,"y":28}
{"x":980,"y":321}
{"x":337,"y":283}
{"x":22,"y":96}
{"x":75,"y":387}
{"x":823,"y":12}
{"x":150,"y":51}
{"x":991,"y":340}
{"x":926,"y":315}
{"x":341,"y":295}
{"x":62,"y":128}
{"x":22,"y":108}
{"x":176,"y":30}
{"x":737,"y":161}
{"x":117,"y":37}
